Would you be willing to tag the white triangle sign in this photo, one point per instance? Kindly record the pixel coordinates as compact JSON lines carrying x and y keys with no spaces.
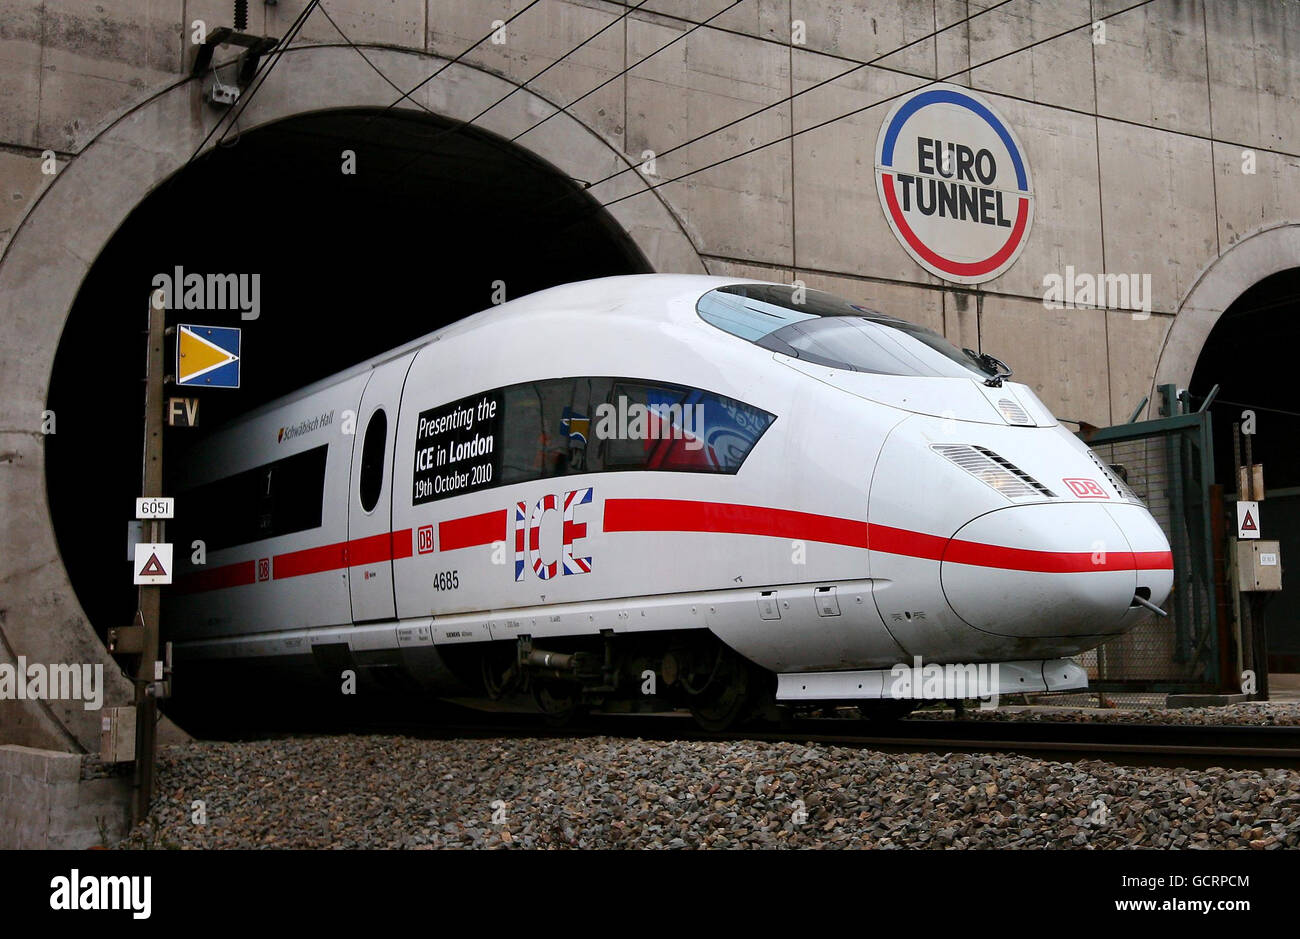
{"x":153,"y":563}
{"x":1247,"y":519}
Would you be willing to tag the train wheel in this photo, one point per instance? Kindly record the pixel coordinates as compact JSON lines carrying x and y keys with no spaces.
{"x":886,"y":710}
{"x":726,"y":699}
{"x":561,"y":705}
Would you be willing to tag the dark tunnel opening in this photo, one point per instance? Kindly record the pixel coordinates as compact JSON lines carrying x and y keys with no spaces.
{"x":1249,"y":354}
{"x":349,"y":265}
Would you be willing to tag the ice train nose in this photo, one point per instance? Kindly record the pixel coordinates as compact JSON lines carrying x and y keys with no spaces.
{"x":1062,"y":569}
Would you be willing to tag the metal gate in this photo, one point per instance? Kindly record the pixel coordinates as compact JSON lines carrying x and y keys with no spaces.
{"x":1169,"y":464}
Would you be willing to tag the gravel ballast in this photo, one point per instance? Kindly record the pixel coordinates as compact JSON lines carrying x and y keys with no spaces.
{"x":614,"y":792}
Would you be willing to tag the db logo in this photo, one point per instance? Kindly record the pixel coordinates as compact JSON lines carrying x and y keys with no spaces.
{"x":263,"y":568}
{"x":1086,"y":488}
{"x":424,"y":539}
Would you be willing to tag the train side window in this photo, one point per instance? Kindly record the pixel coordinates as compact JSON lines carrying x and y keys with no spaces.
{"x":525,"y":434}
{"x":591,"y":424}
{"x":371,"y":477}
{"x":571,"y":409}
{"x":277,"y":498}
{"x":675,"y":429}
{"x":548,"y":428}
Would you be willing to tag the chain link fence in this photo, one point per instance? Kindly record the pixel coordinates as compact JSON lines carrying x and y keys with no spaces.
{"x":1168,"y":465}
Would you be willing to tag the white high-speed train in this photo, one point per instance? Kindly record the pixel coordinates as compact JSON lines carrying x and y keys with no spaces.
{"x":661,"y":491}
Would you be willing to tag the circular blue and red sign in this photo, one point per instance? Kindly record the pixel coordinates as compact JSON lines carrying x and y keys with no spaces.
{"x":954,"y":184}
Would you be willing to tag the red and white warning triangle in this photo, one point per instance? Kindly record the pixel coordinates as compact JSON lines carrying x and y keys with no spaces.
{"x":1248,"y":523}
{"x":153,"y":567}
{"x":153,"y":563}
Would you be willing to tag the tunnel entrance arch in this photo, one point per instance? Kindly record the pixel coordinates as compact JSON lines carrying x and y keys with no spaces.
{"x":331,"y":268}
{"x":1237,"y":329}
{"x":1250,"y":355}
{"x":60,"y":278}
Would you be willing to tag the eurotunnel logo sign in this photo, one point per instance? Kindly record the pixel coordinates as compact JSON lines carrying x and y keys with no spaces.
{"x":954,"y":184}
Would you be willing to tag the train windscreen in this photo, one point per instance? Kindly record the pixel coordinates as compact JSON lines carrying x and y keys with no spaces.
{"x":820,"y":327}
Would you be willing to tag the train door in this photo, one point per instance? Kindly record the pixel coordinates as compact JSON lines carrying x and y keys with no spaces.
{"x":372,"y":544}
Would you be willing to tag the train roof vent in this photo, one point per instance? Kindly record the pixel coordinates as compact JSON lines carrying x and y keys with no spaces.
{"x":997,"y":471}
{"x":1014,"y":413}
{"x":1114,"y":476}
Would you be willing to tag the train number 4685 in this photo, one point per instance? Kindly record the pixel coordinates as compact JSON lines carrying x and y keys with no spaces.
{"x":528,"y":535}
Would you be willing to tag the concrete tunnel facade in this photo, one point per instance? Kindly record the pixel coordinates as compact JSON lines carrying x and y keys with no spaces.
{"x":51,"y":253}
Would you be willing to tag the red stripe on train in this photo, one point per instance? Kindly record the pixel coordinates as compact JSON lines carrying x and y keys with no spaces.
{"x":238,"y":574}
{"x":373,"y":549}
{"x":721,"y":517}
{"x":680,"y":515}
{"x":472,"y":530}
{"x":977,"y":554}
{"x":1055,"y":562}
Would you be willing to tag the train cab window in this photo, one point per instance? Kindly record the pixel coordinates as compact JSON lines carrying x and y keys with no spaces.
{"x":819,"y":327}
{"x":675,"y":429}
{"x":371,"y":477}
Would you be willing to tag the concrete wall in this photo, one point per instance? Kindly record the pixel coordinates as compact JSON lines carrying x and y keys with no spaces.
{"x":53,"y":799}
{"x":1135,"y":145}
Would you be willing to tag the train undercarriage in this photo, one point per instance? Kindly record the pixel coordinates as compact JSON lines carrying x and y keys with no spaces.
{"x":563,"y":678}
{"x":622,"y":674}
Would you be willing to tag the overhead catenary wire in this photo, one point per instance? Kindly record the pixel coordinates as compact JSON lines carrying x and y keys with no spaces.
{"x":563,"y":108}
{"x":767,"y":107}
{"x":676,"y":39}
{"x":262,"y":72}
{"x":519,"y":87}
{"x":264,"y":69}
{"x":784,"y":138}
{"x":694,"y":25}
{"x":855,"y":111}
{"x":461,"y":125}
{"x":446,"y":65}
{"x":859,"y":64}
{"x":1221,"y":402}
{"x":268,"y":65}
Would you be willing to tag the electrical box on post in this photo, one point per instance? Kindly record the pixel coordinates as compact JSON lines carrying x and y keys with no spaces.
{"x":117,"y":735}
{"x":1259,"y":566}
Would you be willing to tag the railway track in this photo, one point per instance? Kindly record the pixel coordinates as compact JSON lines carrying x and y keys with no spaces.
{"x":1194,"y":746}
{"x":1169,"y":745}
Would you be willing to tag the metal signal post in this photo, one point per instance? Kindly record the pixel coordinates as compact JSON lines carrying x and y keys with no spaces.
{"x":146,"y":704}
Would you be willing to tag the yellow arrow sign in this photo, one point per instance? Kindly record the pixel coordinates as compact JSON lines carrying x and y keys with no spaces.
{"x":197,"y":356}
